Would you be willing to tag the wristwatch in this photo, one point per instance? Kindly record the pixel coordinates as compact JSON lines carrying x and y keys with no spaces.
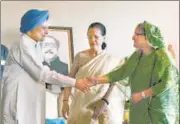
{"x":143,"y":94}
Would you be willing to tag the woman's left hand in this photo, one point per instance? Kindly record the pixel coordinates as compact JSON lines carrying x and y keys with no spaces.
{"x":136,"y":97}
{"x":99,"y":108}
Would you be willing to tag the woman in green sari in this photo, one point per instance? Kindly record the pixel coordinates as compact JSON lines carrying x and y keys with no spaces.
{"x":152,"y":76}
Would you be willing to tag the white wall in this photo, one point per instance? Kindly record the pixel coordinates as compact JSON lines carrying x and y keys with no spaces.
{"x":120,"y":18}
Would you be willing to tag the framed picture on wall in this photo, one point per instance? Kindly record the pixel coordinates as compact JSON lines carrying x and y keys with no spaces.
{"x":58,"y":53}
{"x":57,"y":48}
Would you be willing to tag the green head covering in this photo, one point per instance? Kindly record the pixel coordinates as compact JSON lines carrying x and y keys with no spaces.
{"x":153,"y":34}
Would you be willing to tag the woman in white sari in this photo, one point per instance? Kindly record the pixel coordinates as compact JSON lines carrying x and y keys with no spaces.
{"x":101,"y":105}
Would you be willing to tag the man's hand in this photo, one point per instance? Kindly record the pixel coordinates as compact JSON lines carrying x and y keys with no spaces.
{"x":65,"y":109}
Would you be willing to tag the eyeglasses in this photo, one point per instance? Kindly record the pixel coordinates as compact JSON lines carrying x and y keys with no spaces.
{"x":139,"y":33}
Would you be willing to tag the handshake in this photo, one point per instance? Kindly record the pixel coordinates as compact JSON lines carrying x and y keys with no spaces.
{"x":85,"y":83}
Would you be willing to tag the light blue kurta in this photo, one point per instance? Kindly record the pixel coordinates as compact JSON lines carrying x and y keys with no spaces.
{"x":23,"y":93}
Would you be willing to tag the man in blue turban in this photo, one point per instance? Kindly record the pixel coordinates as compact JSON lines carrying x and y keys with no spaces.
{"x":34,"y":23}
{"x":23,"y":93}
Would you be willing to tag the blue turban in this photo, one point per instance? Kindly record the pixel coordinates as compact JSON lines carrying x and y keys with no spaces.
{"x":32,"y":19}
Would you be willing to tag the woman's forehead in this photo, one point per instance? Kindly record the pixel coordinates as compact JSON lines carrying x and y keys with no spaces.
{"x":94,"y":31}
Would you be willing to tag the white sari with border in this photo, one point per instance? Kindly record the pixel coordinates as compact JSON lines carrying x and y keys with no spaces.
{"x":80,"y":113}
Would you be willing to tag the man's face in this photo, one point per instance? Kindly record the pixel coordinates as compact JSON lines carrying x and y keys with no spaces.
{"x":39,"y":33}
{"x":49,"y":49}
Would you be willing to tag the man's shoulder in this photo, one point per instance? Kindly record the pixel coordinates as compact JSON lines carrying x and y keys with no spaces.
{"x":61,"y":62}
{"x":59,"y":66}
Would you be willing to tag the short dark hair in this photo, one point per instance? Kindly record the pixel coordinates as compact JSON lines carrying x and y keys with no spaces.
{"x":100,"y":26}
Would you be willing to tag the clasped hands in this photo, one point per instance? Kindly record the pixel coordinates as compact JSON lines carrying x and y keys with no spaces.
{"x":85,"y":83}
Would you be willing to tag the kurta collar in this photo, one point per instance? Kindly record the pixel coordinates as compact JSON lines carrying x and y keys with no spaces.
{"x":29,"y":41}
